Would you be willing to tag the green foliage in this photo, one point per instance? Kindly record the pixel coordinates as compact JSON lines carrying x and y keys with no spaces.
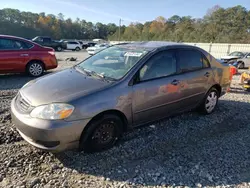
{"x":231,"y":25}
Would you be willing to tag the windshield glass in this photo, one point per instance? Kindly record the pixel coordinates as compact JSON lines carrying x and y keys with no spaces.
{"x":235,"y":54}
{"x":113,"y":62}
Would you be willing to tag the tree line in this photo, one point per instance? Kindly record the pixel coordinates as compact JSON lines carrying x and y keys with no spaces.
{"x":230,"y":25}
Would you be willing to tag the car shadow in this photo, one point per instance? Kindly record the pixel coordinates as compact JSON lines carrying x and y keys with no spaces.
{"x":15,"y":81}
{"x":239,"y":91}
{"x":184,"y":150}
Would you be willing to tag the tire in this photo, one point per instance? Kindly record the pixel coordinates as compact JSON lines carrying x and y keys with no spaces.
{"x":35,"y":68}
{"x":207,"y":105}
{"x":78,"y":49}
{"x":59,"y":48}
{"x":241,"y":65}
{"x":101,"y":134}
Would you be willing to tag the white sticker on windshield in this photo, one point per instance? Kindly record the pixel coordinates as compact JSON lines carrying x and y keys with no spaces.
{"x":135,"y":54}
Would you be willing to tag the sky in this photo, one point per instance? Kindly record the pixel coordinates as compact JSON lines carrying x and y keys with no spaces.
{"x":110,"y":11}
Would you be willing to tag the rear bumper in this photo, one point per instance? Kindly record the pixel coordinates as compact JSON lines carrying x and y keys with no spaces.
{"x":54,"y":136}
{"x":51,"y":63}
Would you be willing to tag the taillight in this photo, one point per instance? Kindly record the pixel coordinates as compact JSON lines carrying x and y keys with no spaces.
{"x":233,"y":71}
{"x":51,"y":52}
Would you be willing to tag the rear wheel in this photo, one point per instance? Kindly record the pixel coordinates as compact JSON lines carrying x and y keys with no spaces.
{"x":59,"y":48}
{"x":210,"y":102}
{"x":101,"y":134}
{"x":35,"y":68}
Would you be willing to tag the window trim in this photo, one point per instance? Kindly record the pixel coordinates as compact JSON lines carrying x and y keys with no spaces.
{"x":18,"y":40}
{"x":135,"y":78}
{"x":196,"y":50}
{"x":209,"y":64}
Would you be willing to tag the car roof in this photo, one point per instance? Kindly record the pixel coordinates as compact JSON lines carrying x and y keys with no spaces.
{"x":15,"y":37}
{"x":20,"y":38}
{"x":152,"y":44}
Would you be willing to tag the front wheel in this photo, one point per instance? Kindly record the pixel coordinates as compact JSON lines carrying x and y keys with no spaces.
{"x":101,"y":134}
{"x":78,"y":49}
{"x":210,"y":102}
{"x":240,"y":65}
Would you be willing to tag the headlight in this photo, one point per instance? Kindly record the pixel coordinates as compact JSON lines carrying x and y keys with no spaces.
{"x":52,"y":111}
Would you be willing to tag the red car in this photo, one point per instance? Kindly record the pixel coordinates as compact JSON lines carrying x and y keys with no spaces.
{"x":18,"y":55}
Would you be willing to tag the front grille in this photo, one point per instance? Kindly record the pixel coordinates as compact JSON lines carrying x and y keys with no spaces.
{"x":22,"y":104}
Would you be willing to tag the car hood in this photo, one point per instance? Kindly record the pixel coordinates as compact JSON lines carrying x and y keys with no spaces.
{"x":229,"y":57}
{"x":62,"y":86}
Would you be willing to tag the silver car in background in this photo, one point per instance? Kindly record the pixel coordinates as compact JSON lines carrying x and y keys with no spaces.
{"x":244,"y":62}
{"x":90,"y":105}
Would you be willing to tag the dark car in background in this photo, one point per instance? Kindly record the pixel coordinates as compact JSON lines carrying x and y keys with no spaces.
{"x":47,"y":41}
{"x":18,"y":55}
{"x":88,"y":44}
{"x":117,"y":89}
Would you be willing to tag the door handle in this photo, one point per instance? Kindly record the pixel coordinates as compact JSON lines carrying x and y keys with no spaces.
{"x":207,"y":74}
{"x":175,"y":82}
{"x":24,"y":55}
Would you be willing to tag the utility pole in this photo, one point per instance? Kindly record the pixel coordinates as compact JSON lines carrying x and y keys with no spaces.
{"x":119,"y":34}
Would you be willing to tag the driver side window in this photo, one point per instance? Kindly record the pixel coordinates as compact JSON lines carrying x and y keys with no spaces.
{"x":160,"y":65}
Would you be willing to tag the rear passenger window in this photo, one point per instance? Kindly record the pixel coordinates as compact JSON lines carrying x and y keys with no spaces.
{"x":190,"y":60}
{"x":205,"y":61}
{"x":27,"y":45}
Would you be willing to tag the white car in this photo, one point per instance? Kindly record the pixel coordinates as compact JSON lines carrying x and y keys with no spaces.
{"x":73,"y":45}
{"x":98,"y":47}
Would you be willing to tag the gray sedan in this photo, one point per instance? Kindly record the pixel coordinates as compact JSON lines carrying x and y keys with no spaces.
{"x":90,"y":105}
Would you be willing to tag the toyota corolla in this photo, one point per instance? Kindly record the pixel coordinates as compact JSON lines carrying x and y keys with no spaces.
{"x":90,"y":105}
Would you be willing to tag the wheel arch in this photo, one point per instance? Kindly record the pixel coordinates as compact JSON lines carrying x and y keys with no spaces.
{"x":217,"y":87}
{"x":98,"y":116}
{"x":113,"y":112}
{"x":35,"y":60}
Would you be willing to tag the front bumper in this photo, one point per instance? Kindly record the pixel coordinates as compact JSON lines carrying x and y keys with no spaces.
{"x":49,"y":135}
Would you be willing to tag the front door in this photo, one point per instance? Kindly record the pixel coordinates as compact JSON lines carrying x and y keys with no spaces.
{"x":247,"y":60}
{"x":156,"y":93}
{"x":12,"y":55}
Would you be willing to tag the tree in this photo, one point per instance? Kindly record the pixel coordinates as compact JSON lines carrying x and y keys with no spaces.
{"x":230,"y":25}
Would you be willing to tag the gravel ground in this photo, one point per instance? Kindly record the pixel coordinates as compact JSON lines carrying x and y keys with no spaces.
{"x":188,"y":150}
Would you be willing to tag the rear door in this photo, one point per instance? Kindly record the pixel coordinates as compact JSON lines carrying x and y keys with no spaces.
{"x":47,"y":42}
{"x":197,"y":75}
{"x":70,"y":45}
{"x":156,"y":93}
{"x":13,"y":55}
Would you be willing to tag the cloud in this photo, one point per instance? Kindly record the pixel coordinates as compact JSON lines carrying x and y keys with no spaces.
{"x":83,"y":7}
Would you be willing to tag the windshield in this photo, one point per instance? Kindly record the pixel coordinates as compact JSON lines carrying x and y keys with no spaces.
{"x":236,"y":54}
{"x":113,"y":62}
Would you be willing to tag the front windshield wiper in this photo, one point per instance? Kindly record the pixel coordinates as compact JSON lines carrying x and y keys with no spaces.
{"x":91,"y":73}
{"x":87,"y":72}
{"x":103,"y":77}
